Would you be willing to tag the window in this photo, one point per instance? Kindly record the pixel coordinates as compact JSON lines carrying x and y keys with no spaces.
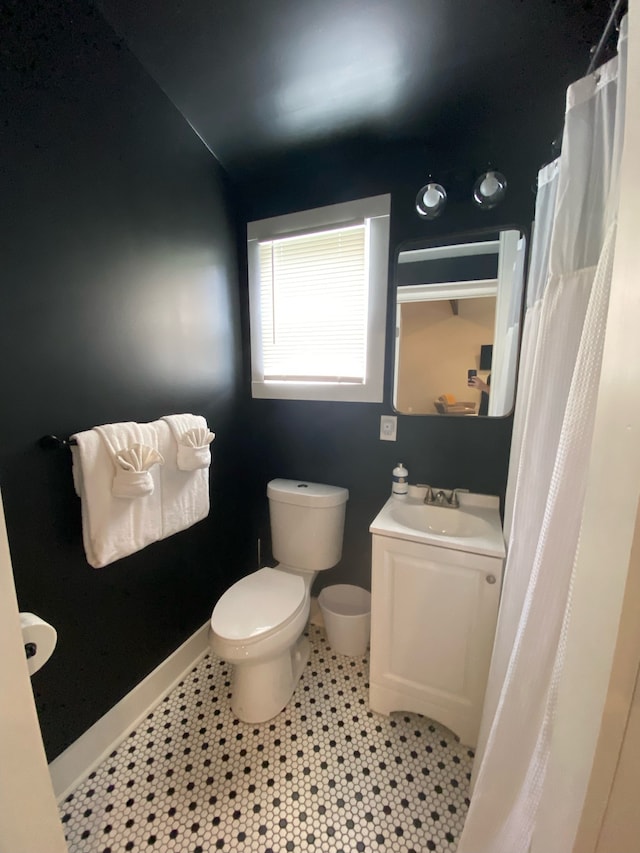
{"x":318,"y":292}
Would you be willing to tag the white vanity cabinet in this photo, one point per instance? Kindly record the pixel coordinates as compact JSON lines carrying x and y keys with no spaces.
{"x":433,"y":619}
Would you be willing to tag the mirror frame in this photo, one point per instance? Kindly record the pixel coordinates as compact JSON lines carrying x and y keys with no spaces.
{"x":450,"y":239}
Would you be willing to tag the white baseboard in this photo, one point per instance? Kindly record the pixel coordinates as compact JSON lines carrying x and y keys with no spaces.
{"x":84,"y":754}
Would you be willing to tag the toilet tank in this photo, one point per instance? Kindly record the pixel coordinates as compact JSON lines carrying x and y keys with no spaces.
{"x":307,"y":523}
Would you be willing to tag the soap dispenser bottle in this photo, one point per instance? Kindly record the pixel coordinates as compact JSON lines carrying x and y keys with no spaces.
{"x":400,"y":481}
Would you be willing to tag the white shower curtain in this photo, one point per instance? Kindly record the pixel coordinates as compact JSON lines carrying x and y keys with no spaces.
{"x":567,"y":302}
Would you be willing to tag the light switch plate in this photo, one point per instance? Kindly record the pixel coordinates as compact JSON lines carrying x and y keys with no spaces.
{"x":388,"y":427}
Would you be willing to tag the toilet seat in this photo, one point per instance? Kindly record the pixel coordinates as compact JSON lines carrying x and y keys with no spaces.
{"x":258,"y":604}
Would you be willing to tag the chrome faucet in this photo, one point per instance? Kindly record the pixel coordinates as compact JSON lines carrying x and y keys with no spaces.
{"x":443,"y":497}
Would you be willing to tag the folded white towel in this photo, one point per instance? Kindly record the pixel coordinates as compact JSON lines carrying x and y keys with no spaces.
{"x":192,"y":437}
{"x":112,"y":528}
{"x":132,"y":478}
{"x":140,"y":457}
{"x":110,"y":459}
{"x":133,"y":448}
{"x":185,"y":493}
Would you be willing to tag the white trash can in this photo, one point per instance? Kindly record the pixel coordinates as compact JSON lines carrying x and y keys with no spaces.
{"x":346,"y":610}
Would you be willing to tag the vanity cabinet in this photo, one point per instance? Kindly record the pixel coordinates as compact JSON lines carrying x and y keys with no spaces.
{"x":433,"y":620}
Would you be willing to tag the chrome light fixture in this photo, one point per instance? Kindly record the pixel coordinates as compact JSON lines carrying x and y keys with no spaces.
{"x":431,"y":200}
{"x":489,"y":189}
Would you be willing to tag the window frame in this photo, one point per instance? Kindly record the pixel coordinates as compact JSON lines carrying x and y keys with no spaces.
{"x":377,"y":210}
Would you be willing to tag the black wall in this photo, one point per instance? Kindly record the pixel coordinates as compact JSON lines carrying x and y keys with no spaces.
{"x":338,"y":443}
{"x":119,"y":302}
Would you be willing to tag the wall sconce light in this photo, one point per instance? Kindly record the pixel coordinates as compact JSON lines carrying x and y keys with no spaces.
{"x":431,"y":200}
{"x":489,"y":189}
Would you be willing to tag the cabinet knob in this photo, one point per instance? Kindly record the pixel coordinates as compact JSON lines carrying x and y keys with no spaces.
{"x":491,"y":578}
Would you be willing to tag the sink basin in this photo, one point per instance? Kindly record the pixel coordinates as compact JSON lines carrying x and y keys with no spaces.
{"x":439,"y":521}
{"x":474,"y":527}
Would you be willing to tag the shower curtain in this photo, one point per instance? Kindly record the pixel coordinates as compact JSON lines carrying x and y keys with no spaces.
{"x":568,"y":292}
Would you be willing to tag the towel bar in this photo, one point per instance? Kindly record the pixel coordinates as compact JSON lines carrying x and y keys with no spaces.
{"x":52,"y":442}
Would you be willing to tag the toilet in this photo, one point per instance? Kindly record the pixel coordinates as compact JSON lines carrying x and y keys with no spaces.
{"x":258,"y":622}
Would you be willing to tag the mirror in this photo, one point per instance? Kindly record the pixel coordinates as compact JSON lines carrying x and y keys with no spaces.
{"x":458,"y":307}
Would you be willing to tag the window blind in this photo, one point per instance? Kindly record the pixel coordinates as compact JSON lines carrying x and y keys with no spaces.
{"x":313,"y":293}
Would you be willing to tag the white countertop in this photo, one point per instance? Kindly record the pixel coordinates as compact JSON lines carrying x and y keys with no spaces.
{"x":474,"y":527}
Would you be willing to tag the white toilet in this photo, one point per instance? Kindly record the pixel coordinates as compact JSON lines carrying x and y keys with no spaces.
{"x":257,"y":624}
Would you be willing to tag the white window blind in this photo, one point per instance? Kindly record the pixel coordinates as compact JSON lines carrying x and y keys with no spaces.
{"x":317,"y":302}
{"x":313,"y":295}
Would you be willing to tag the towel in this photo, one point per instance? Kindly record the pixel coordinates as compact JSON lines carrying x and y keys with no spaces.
{"x":132,"y":478}
{"x":185,"y":493}
{"x":114,"y":524}
{"x":113,"y":527}
{"x":133,"y":449}
{"x":192,"y":437}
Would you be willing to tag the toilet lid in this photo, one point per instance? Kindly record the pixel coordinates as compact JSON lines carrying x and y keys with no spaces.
{"x":257,"y":604}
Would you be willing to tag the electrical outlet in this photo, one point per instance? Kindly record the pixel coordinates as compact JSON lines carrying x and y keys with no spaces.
{"x":388,"y":427}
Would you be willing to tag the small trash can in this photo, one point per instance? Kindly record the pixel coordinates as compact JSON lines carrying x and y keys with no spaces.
{"x":346,"y":610}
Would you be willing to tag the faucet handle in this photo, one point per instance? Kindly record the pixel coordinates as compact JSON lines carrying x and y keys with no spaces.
{"x":454,"y":501}
{"x":428,"y":497}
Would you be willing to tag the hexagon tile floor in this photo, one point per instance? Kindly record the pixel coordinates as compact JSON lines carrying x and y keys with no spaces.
{"x":327,"y":775}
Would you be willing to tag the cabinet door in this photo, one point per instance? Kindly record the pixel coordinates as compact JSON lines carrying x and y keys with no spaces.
{"x":433,"y":621}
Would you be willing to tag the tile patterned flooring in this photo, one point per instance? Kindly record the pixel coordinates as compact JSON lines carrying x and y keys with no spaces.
{"x":327,"y":775}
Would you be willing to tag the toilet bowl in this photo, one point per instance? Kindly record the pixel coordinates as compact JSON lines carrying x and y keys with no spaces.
{"x":257,"y":625}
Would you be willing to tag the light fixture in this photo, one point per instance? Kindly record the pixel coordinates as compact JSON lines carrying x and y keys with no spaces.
{"x":489,"y":189}
{"x":431,"y":200}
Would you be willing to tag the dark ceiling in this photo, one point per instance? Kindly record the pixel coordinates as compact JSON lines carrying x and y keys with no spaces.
{"x":261,"y":78}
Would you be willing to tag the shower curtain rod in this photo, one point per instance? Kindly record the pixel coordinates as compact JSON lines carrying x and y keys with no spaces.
{"x":596,"y":53}
{"x":604,"y":38}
